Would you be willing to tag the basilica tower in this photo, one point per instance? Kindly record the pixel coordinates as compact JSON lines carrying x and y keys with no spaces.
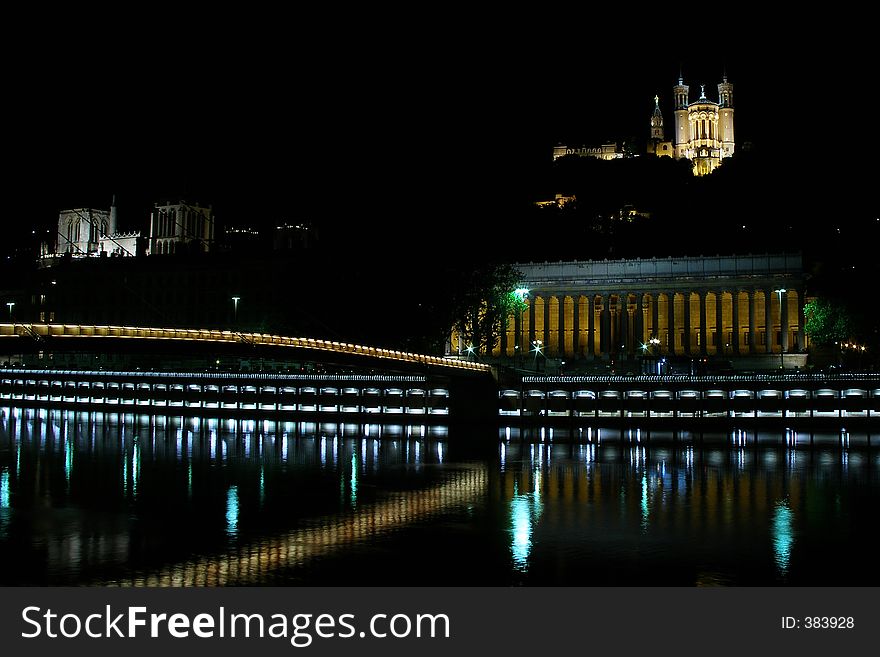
{"x":680,"y":103}
{"x":703,"y":128}
{"x":725,"y":122}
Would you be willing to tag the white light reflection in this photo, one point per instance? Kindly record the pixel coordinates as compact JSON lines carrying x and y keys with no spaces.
{"x":135,"y":468}
{"x":323,"y":450}
{"x":783,"y":535}
{"x":645,"y":507}
{"x":503,"y":456}
{"x":354,"y":478}
{"x":440,"y":452}
{"x":232,"y":512}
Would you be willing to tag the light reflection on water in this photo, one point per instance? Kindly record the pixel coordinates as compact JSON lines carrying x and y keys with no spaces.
{"x":783,"y":535}
{"x":103,"y":498}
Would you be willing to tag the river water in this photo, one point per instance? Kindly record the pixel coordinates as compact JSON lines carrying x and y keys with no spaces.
{"x":153,"y":500}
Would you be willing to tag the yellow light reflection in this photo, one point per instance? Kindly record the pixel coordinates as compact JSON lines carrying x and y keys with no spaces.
{"x":254,"y":563}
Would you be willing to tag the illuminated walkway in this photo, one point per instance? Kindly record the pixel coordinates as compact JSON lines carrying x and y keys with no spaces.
{"x":810,"y":397}
{"x":56,"y":334}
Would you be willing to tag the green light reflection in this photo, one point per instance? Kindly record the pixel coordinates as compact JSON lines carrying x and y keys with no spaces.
{"x":783,"y":535}
{"x":4,"y":502}
{"x":232,"y":512}
{"x":4,"y":489}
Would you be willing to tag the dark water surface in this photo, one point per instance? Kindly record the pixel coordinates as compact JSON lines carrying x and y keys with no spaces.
{"x":105,"y":498}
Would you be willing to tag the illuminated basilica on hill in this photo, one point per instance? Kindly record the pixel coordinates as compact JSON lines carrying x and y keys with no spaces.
{"x":703,"y":131}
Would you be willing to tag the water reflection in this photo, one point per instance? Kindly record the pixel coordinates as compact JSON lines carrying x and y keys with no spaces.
{"x":525,"y":512}
{"x":136,"y":499}
{"x":232,"y":512}
{"x":103,"y":493}
{"x":783,"y":535}
{"x":629,"y":514}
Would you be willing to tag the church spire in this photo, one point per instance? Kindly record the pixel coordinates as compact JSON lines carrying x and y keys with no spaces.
{"x":657,"y":120}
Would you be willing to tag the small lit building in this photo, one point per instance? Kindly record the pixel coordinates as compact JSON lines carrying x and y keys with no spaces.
{"x":88,"y":232}
{"x":181,"y":227}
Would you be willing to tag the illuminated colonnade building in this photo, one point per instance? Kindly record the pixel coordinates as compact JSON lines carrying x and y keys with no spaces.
{"x":693,"y":306}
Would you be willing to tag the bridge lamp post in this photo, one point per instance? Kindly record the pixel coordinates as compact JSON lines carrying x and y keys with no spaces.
{"x":235,"y":301}
{"x":10,"y":304}
{"x":781,"y":353}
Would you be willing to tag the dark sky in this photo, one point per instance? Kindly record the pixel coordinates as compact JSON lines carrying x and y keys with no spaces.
{"x":416,"y":130}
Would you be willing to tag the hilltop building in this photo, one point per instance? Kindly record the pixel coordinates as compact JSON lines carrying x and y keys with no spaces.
{"x":703,"y":131}
{"x":87,"y":232}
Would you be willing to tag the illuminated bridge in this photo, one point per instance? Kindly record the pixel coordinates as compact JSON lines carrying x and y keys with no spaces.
{"x":29,"y":338}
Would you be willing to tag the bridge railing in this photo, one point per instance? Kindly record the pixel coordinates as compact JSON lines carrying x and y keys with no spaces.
{"x":217,"y":335}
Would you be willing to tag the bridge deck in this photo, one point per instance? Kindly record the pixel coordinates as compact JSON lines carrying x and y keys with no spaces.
{"x":57,"y":334}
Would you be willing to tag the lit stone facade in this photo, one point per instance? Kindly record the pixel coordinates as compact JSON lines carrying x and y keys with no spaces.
{"x":87,"y":232}
{"x":181,"y":226}
{"x":703,"y":128}
{"x":603,"y":152}
{"x":723,"y":306}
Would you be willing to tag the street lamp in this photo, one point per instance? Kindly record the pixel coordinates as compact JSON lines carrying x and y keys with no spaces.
{"x":235,"y":301}
{"x":537,"y":350}
{"x":781,"y":353}
{"x":10,"y":304}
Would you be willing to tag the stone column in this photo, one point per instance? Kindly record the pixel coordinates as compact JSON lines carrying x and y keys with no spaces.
{"x":753,"y":339}
{"x":800,"y":337}
{"x":704,"y":333}
{"x":545,"y":334}
{"x":783,"y":321}
{"x":720,"y":339}
{"x":591,"y":325}
{"x":504,"y":327}
{"x":605,"y":327}
{"x":734,"y":316}
{"x":576,"y":328}
{"x":532,"y":303}
{"x":768,"y":320}
{"x":670,"y":305}
{"x":517,"y":332}
{"x":623,"y":338}
{"x":561,"y":339}
{"x":639,"y":335}
{"x":655,"y":315}
{"x":687,"y":323}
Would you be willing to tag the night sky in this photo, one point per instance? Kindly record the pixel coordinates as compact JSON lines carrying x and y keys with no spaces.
{"x":395,"y":132}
